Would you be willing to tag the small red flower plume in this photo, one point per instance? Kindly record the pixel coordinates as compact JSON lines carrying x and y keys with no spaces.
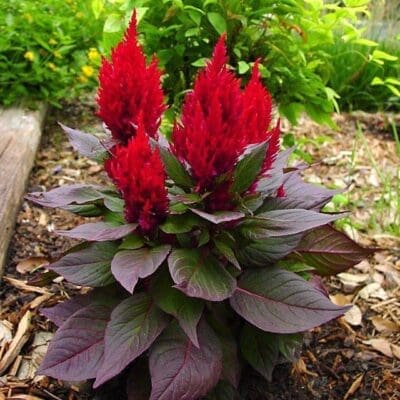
{"x":138,"y":173}
{"x":219,"y":120}
{"x":128,"y":86}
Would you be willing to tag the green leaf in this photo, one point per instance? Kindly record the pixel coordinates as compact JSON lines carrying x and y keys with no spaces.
{"x":200,"y":275}
{"x":129,"y":265}
{"x":248,"y":168}
{"x":181,"y":223}
{"x":260,"y":349}
{"x":97,"y":7}
{"x":90,"y":266}
{"x":218,"y":22}
{"x":131,"y":242}
{"x":226,"y":251}
{"x":175,"y":169}
{"x":185,"y":309}
{"x":243,"y":67}
{"x":113,"y":24}
{"x":134,"y":325}
{"x":382,"y":55}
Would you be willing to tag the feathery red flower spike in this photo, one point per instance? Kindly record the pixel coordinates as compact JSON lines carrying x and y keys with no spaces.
{"x":128,"y":87}
{"x":138,"y":173}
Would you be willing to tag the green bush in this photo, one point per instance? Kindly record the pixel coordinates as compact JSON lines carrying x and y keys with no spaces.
{"x":365,"y":74}
{"x":47,"y":49}
{"x":290,"y":37}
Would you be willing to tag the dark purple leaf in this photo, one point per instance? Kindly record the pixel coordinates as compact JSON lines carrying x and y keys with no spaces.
{"x":248,"y":168}
{"x":260,"y":253}
{"x":278,"y":223}
{"x":66,"y":195}
{"x":329,"y":251}
{"x":99,"y":231}
{"x":179,"y":370}
{"x":85,"y":144}
{"x":59,"y":313}
{"x":220,"y":216}
{"x":76,"y":350}
{"x":306,"y":202}
{"x":186,"y":310}
{"x":231,"y":365}
{"x":269,"y":184}
{"x":297,"y":188}
{"x":200,"y":275}
{"x":316,"y":282}
{"x":280,"y":301}
{"x":134,"y":325}
{"x":108,"y":296}
{"x":90,"y":266}
{"x":260,"y":349}
{"x":129,"y":265}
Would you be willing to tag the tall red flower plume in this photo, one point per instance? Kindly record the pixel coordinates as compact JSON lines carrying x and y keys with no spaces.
{"x":138,"y":173}
{"x":219,"y":120}
{"x":128,"y":87}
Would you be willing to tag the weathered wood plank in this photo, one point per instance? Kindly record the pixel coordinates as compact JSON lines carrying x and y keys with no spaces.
{"x":20,"y":132}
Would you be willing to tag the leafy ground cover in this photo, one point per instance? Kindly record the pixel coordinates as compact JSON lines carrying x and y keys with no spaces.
{"x":354,"y":357}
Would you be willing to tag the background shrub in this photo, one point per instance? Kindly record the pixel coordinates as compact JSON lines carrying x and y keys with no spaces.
{"x":298,"y":42}
{"x":47,"y":49}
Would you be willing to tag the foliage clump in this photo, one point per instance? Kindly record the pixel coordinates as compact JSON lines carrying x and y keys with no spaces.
{"x":210,"y":249}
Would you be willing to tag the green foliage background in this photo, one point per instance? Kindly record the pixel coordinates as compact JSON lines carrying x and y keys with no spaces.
{"x":44,"y":49}
{"x":314,"y":56}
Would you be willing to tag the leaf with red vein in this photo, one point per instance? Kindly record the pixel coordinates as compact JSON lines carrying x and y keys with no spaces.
{"x":179,"y":370}
{"x":279,"y":301}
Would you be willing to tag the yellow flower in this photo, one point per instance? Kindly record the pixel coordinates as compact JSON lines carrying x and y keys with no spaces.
{"x":93,"y":55}
{"x":30,"y":56}
{"x":52,"y":41}
{"x":57,"y":54}
{"x":88,"y":71}
{"x":82,"y":79}
{"x":52,"y":66}
{"x":29,"y":18}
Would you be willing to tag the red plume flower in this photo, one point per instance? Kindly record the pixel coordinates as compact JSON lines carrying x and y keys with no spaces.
{"x":138,"y":173}
{"x":128,"y":86}
{"x":219,"y":120}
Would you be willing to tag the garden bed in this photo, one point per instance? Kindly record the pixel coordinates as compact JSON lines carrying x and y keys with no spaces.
{"x":357,"y":356}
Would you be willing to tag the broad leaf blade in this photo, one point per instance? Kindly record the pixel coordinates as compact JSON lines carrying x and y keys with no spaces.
{"x":219,"y":217}
{"x":278,"y":223}
{"x":186,"y":310}
{"x":248,"y":168}
{"x":90,"y":266}
{"x":261,"y":253}
{"x":329,"y":251}
{"x":199,"y":275}
{"x":99,"y":231}
{"x":174,"y":169}
{"x":85,"y":144}
{"x":260,"y":349}
{"x":76,"y":350}
{"x":66,"y":195}
{"x":129,"y":265}
{"x":134,"y":325}
{"x":108,"y":296}
{"x":279,"y":301}
{"x":179,"y":370}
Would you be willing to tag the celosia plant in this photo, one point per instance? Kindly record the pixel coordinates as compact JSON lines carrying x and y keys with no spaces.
{"x":210,"y":248}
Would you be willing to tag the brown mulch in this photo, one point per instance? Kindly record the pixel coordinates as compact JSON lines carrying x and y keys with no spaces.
{"x":355,"y":357}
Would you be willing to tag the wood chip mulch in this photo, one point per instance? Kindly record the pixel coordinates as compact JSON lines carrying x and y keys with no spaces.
{"x":355,"y":357}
